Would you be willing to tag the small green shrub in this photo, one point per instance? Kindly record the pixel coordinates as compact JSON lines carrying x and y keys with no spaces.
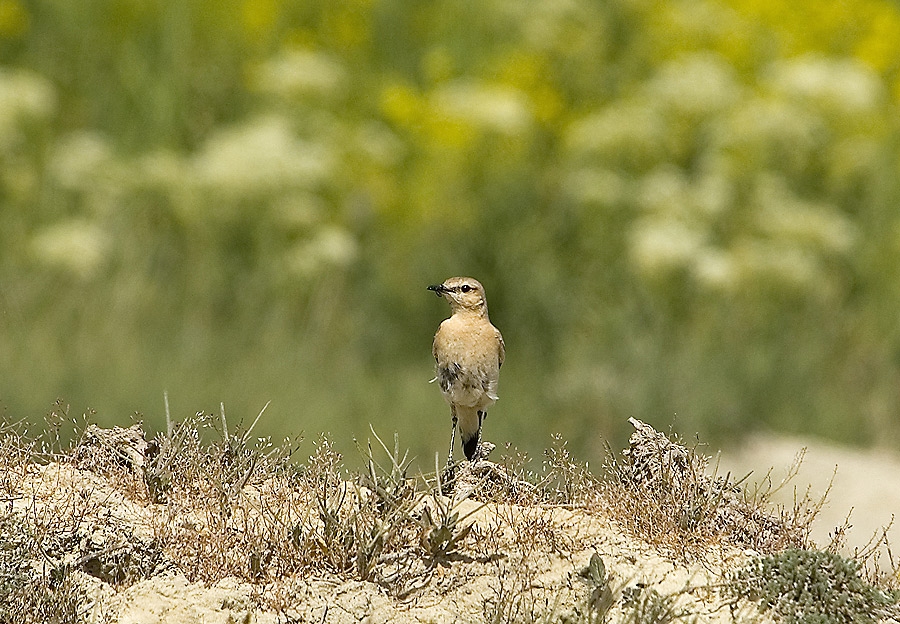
{"x":810,"y":586}
{"x":645,"y":605}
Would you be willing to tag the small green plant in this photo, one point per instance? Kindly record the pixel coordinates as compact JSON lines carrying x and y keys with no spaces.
{"x":811,"y":586}
{"x":443,"y":530}
{"x":603,"y":596}
{"x":645,"y":605}
{"x":390,"y":485}
{"x":167,"y":455}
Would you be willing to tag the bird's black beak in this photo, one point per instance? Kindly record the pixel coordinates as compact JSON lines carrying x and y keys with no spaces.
{"x":438,"y":289}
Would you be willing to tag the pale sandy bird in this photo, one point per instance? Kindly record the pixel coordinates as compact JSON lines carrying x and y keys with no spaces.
{"x":468,"y":352}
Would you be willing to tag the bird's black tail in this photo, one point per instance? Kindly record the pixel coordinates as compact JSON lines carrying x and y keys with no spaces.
{"x":471,"y":437}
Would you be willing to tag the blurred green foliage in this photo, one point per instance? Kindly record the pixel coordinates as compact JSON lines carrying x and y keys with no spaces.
{"x":676,"y":208}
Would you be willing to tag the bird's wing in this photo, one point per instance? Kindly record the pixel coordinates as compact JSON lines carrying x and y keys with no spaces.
{"x":501,"y":348}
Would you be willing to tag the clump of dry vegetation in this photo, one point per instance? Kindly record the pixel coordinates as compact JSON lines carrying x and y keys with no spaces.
{"x":498,"y":542}
{"x":663,"y":491}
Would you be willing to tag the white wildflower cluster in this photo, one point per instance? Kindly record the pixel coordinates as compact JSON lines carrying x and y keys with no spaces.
{"x":23,"y":96}
{"x":695,"y":84}
{"x":725,"y":199}
{"x":264,"y":160}
{"x":782,"y":238}
{"x":816,"y":226}
{"x":715,"y":269}
{"x":660,"y":245}
{"x":626,"y":134}
{"x":677,"y":231}
{"x":78,"y":246}
{"x":547,"y":23}
{"x":329,"y":247}
{"x":301,"y":73}
{"x":260,"y":156}
{"x":843,"y":86}
{"x":318,"y":245}
{"x":81,"y":161}
{"x":762,"y":133}
{"x":260,"y":164}
{"x":668,"y":191}
{"x":489,"y":107}
{"x":379,"y":143}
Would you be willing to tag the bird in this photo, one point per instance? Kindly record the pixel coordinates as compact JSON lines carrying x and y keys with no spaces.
{"x":468,"y":353}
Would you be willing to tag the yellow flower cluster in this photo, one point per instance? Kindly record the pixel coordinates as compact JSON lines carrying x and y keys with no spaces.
{"x":866,"y":29}
{"x":14,"y":19}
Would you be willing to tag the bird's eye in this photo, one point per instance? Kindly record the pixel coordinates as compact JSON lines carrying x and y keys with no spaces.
{"x":465,"y":288}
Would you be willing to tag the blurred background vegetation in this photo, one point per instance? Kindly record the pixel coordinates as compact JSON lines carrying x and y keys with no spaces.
{"x":682,"y":211}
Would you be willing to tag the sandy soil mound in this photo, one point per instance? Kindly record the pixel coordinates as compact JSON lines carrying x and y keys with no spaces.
{"x":529,"y":562}
{"x":175,"y":531}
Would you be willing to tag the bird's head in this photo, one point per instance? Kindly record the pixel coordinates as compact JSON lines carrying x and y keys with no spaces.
{"x":463,"y":293}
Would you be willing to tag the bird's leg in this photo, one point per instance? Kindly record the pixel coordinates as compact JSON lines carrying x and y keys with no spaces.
{"x":481,"y":416}
{"x":452,"y":435}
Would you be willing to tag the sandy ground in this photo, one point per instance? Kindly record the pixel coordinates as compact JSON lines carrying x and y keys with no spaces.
{"x":470,"y":590}
{"x":521,"y":563}
{"x":518,"y":563}
{"x":866,"y":484}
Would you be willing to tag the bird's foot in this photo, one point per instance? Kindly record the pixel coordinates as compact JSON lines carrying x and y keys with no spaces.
{"x":482,"y":451}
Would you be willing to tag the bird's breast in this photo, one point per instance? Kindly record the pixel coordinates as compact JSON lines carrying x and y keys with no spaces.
{"x":470,"y":345}
{"x":467,"y":361}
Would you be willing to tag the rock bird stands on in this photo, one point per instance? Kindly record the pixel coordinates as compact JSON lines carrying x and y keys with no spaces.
{"x":468,"y":352}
